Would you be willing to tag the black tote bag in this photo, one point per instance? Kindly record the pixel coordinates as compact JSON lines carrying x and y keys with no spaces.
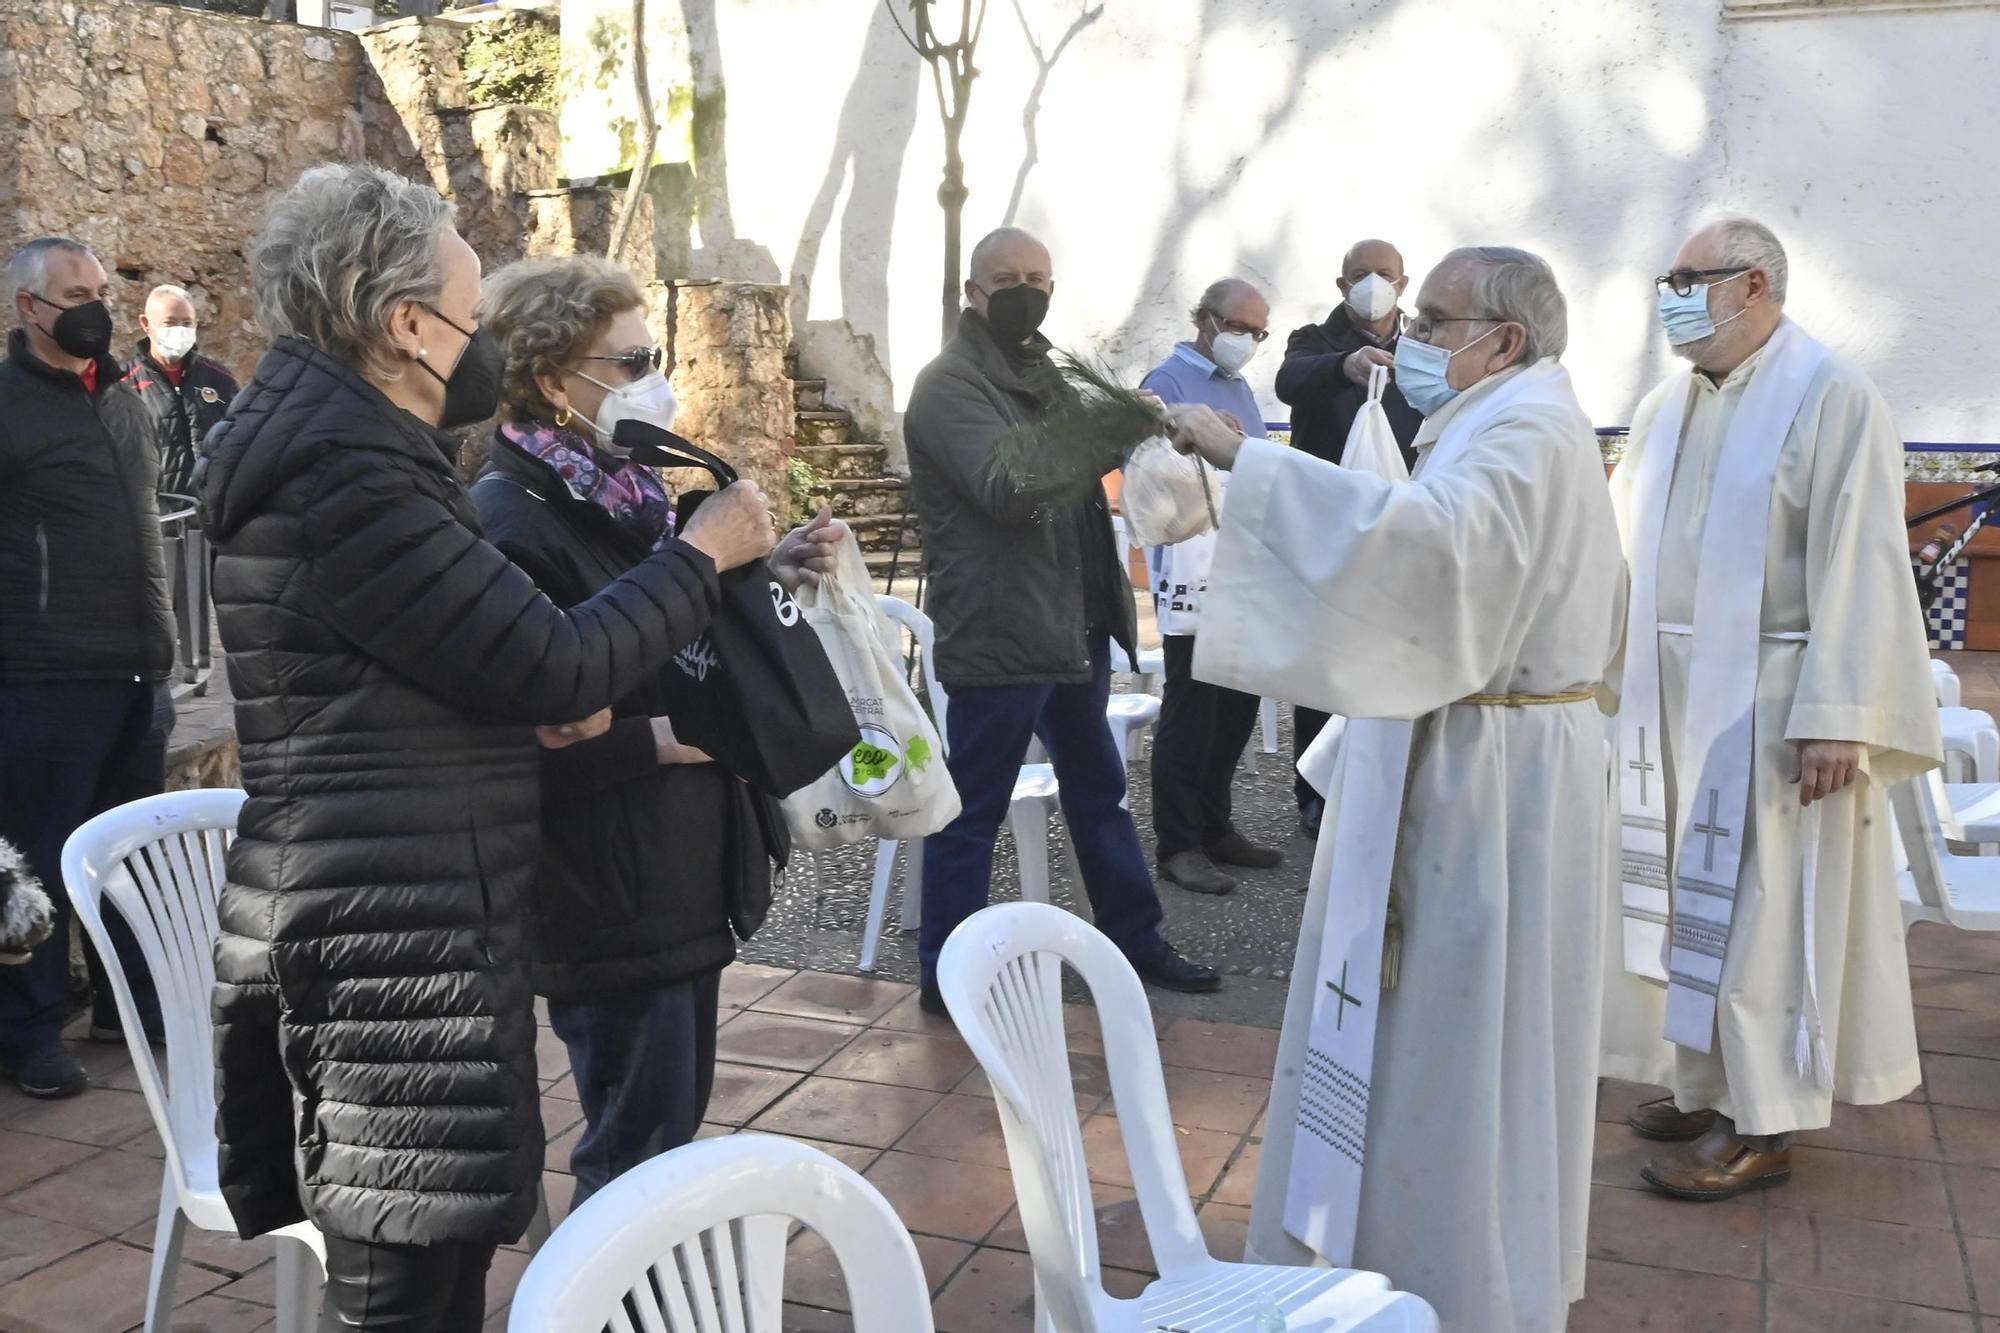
{"x":755,"y":692}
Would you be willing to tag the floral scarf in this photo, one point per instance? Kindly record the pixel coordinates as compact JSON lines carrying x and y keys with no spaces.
{"x":631,"y":493}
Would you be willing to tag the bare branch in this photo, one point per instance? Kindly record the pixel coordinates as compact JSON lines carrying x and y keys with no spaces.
{"x":1034,"y":44}
{"x":890,"y":5}
{"x":649,"y":132}
{"x":977,"y":28}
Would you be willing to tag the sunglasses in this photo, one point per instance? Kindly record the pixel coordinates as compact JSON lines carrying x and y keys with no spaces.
{"x":637,"y":361}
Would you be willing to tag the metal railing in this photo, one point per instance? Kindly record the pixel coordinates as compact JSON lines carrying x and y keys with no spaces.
{"x":186,"y":548}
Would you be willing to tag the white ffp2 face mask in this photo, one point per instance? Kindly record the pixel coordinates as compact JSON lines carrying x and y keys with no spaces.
{"x":174,"y":341}
{"x":1373,"y":297}
{"x":1232,"y":351}
{"x":649,"y":399}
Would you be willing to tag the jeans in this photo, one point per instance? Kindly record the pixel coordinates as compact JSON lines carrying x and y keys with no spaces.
{"x":990,"y":727}
{"x":70,"y":751}
{"x":1202,"y":732}
{"x":644,"y":1067}
{"x":404,"y":1288}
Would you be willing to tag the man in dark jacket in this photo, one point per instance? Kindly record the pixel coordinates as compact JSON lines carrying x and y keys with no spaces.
{"x":183,"y":391}
{"x":1028,"y":593}
{"x":1325,"y":379}
{"x":86,"y":625}
{"x":185,"y":394}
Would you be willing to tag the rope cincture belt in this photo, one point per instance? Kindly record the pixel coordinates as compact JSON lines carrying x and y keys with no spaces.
{"x":1392,"y":931}
{"x":1529,"y":700}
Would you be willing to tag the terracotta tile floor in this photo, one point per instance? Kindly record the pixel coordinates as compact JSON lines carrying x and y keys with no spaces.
{"x":1891,"y":1223}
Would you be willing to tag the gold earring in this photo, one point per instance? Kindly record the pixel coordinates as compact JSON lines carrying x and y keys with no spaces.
{"x":563,"y":417}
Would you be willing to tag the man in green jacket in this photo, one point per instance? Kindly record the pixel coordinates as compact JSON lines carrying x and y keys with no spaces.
{"x":1028,"y":593}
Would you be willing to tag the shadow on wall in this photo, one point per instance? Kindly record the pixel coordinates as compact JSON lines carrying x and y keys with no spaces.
{"x":1031,"y":110}
{"x":871,"y":138}
{"x":1566,"y":150}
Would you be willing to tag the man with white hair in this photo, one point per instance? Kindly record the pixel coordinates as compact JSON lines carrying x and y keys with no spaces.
{"x":86,"y":627}
{"x":184,"y":392}
{"x":1774,"y":686}
{"x":1431,"y":1112}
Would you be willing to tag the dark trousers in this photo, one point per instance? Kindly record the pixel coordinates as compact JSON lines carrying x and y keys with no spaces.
{"x":70,"y":751}
{"x":1201,"y":734}
{"x":989,"y":730}
{"x":1307,"y":724}
{"x":644,"y":1067}
{"x":404,"y":1288}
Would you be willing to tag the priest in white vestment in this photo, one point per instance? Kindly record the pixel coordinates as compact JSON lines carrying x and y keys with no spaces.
{"x":1775,"y":682}
{"x":1432,"y":1108}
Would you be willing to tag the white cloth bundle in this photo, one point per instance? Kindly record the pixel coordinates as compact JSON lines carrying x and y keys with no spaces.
{"x":1169,"y":496}
{"x":894,"y":783}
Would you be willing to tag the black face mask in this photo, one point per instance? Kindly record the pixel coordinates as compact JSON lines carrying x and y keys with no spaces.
{"x":81,"y":330}
{"x":1016,"y":313}
{"x":472,"y":390}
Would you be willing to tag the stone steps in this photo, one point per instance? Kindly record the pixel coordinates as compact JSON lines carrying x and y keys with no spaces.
{"x":838,"y":462}
{"x":855,"y":477}
{"x":862,"y":497}
{"x":877,"y":533}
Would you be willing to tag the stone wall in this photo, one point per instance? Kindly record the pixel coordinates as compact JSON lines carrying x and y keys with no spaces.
{"x":729,"y":341}
{"x":158,"y":135}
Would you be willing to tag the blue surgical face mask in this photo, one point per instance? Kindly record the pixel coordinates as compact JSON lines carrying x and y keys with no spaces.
{"x":1686,"y":318}
{"x":1421,"y":370}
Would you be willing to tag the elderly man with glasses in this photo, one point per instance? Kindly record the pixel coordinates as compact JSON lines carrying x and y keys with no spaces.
{"x":1432,"y":1105}
{"x":1203,"y":728}
{"x":1775,"y":686}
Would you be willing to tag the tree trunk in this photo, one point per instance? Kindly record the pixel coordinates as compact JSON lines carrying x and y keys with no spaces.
{"x":648,"y":135}
{"x":951,"y":198}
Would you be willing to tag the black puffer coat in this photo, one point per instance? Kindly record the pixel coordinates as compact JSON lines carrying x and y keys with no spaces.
{"x":388,"y":664}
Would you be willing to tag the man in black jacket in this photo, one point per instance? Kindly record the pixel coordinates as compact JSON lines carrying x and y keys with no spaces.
{"x":1325,"y":379}
{"x":183,"y":391}
{"x":86,"y":623}
{"x":1028,"y":593}
{"x":185,"y":394}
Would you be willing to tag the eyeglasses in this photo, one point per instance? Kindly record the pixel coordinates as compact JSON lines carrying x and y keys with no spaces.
{"x":1683,"y":281}
{"x":1423,"y":326}
{"x":1238,"y":326}
{"x":637,"y":361}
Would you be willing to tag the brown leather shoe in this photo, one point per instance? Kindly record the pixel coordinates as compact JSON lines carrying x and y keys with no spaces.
{"x":1718,"y":1167}
{"x":1666,"y":1122}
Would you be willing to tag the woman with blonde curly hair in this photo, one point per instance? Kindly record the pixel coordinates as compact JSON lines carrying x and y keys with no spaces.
{"x":645,"y":842}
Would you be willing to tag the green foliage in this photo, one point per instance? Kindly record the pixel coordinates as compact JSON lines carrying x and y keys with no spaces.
{"x":1092,"y":421}
{"x":513,"y":64}
{"x":805,"y":487}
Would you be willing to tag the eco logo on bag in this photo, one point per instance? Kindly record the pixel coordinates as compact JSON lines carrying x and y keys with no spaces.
{"x":873,"y":766}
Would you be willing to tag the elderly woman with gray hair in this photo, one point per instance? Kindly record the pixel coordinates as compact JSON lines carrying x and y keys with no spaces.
{"x":375,"y":1035}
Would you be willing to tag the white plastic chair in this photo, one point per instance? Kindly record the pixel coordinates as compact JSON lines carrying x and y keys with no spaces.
{"x":1001,"y":975}
{"x":1150,"y":669}
{"x":1036,"y":797}
{"x":1971,"y":745}
{"x":1131,"y":716}
{"x":159,"y":862}
{"x":693,"y":1241}
{"x":1959,"y":891}
{"x":1945,"y":680}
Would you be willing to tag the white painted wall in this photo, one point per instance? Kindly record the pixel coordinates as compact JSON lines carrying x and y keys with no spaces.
{"x":1183,"y":140}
